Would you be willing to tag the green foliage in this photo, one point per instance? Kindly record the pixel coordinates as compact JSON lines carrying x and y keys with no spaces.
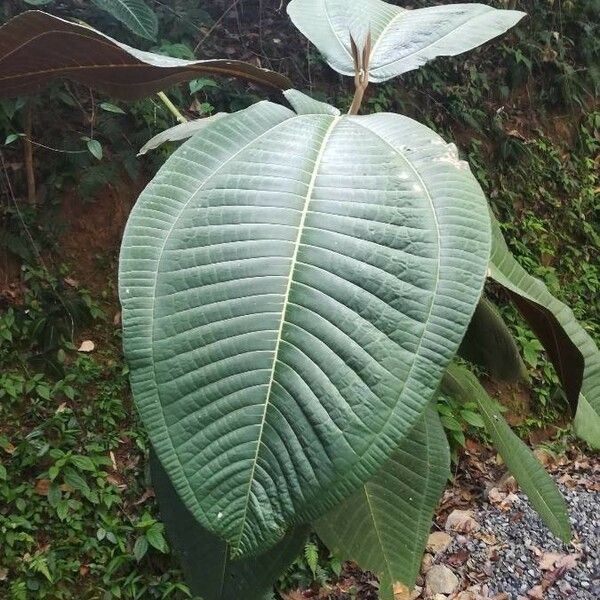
{"x":536,"y":175}
{"x":70,"y":455}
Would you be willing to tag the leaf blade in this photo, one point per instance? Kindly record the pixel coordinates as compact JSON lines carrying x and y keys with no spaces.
{"x":204,"y":557}
{"x":490,"y":345}
{"x":316,"y":362}
{"x":397,"y":506}
{"x":36,"y":48}
{"x":541,"y":490}
{"x":403,"y":39}
{"x":572,"y":351}
{"x":136,"y":15}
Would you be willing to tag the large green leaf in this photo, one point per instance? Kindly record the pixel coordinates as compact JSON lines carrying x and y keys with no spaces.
{"x":573,"y":352}
{"x":136,"y":15}
{"x":293,"y":288}
{"x":402,"y":40}
{"x":36,"y":48}
{"x":384,"y":526}
{"x":490,"y":345}
{"x":207,"y":566}
{"x":541,"y":490}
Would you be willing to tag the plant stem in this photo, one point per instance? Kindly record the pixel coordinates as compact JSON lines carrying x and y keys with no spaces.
{"x":361,"y":72}
{"x":359,"y":94}
{"x":172,"y":108}
{"x":28,"y":155}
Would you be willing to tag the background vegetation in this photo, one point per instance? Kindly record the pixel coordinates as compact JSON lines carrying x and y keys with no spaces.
{"x":77,"y":518}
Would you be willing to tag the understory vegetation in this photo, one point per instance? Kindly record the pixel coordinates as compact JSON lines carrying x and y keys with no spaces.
{"x":77,"y":512}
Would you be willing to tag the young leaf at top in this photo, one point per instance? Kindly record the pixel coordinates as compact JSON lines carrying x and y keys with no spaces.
{"x":401,"y":39}
{"x":540,"y":488}
{"x":293,"y":288}
{"x":384,"y":526}
{"x":490,"y":345}
{"x":207,"y":566}
{"x":136,"y":15}
{"x":36,"y":48}
{"x":572,"y":351}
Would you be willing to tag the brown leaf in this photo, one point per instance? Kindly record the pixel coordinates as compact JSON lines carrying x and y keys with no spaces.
{"x":401,"y":592}
{"x":536,"y":593}
{"x":36,"y":48}
{"x":42,"y":486}
{"x":548,"y":560}
{"x":458,"y":558}
{"x":461,"y":521}
{"x":293,"y":595}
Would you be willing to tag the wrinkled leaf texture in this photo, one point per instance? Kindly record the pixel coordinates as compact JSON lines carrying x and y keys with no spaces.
{"x":205,"y":558}
{"x":402,"y":40}
{"x":293,"y":288}
{"x":384,"y":526}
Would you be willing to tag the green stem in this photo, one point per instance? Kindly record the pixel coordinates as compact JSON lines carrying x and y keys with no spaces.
{"x":172,"y":108}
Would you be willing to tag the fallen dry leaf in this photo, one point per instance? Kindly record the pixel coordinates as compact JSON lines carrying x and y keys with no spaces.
{"x":293,"y":595}
{"x":536,"y":593}
{"x":458,"y":558}
{"x":495,"y":496}
{"x":401,"y":592}
{"x":548,"y":560}
{"x":42,"y":486}
{"x":461,"y":521}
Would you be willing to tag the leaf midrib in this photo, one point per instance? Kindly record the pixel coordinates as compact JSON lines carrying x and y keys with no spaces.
{"x":308,"y":197}
{"x":153,"y":296}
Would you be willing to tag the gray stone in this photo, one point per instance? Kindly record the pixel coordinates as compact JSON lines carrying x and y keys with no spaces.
{"x":441,"y":580}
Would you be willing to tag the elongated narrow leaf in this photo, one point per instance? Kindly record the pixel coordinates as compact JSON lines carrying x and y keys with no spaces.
{"x":402,"y":40}
{"x":136,"y":15}
{"x":207,"y":566}
{"x":183,"y":131}
{"x":573,"y":352}
{"x":36,"y":48}
{"x":490,"y":345}
{"x":305,"y":105}
{"x":293,"y":288}
{"x":541,"y":490}
{"x":384,"y":526}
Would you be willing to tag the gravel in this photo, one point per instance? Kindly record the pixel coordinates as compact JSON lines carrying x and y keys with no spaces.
{"x":520,"y":538}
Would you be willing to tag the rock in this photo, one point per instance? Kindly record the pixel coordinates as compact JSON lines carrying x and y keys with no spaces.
{"x":86,"y":346}
{"x":416,"y":592}
{"x":438,"y":542}
{"x":426,"y":562}
{"x":441,"y":580}
{"x":461,"y":521}
{"x":440,"y":597}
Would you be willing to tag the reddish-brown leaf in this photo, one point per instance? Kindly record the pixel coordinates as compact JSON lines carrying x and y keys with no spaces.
{"x":36,"y":48}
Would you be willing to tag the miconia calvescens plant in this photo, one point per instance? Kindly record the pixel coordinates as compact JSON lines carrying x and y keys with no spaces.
{"x":299,"y":286}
